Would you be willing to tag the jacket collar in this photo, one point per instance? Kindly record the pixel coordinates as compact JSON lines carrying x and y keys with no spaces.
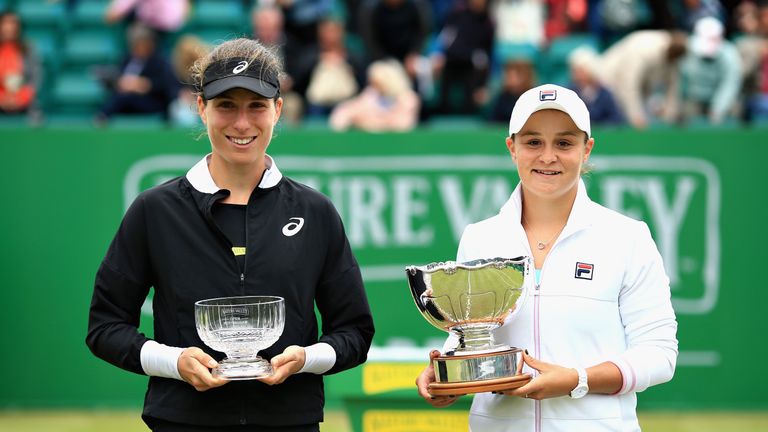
{"x":579,"y":218}
{"x":199,"y":176}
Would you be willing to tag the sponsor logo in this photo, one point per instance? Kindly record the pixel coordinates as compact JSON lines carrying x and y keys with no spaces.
{"x":243,"y":65}
{"x":547,"y":95}
{"x":584,"y":271}
{"x":292,"y":228}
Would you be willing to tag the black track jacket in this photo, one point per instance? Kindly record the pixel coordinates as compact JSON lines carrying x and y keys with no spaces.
{"x":168,"y":240}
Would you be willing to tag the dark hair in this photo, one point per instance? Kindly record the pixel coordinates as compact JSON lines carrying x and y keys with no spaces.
{"x":20,"y":42}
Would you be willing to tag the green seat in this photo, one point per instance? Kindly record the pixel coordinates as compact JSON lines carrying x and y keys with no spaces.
{"x":94,"y":46}
{"x":76,"y":93}
{"x":41,"y":13}
{"x":216,"y":35}
{"x":89,"y":13}
{"x":218,"y":13}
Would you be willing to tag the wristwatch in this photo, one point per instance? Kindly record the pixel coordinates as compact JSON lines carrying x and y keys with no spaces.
{"x":581,"y":388}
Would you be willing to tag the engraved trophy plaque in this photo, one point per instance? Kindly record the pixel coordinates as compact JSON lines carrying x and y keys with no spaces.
{"x":240,"y":327}
{"x":470,"y":300}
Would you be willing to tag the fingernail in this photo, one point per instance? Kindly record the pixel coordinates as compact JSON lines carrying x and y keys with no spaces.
{"x":212,"y":363}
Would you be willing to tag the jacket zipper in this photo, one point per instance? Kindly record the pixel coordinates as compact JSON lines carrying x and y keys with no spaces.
{"x":245,"y":257}
{"x":537,"y":341}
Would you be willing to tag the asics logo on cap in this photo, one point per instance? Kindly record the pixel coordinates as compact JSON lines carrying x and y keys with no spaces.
{"x":547,"y":95}
{"x":243,"y":65}
{"x":292,"y":228}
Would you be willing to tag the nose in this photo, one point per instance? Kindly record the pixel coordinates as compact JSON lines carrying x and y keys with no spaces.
{"x":241,"y":122}
{"x":548,"y":153}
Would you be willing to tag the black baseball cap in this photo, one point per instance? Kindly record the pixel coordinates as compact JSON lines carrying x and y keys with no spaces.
{"x":239,"y":72}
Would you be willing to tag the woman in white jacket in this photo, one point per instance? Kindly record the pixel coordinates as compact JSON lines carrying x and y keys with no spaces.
{"x":599,"y":325}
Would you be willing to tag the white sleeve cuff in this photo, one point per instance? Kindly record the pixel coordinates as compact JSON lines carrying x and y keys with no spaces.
{"x":160,"y":360}
{"x":318,"y":358}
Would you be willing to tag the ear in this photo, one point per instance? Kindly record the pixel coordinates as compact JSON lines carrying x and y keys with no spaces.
{"x":511,"y":147}
{"x":588,"y":149}
{"x":201,"y":109}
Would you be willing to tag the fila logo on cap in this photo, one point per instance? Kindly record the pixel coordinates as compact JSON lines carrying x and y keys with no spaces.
{"x":547,"y":95}
{"x":292,"y":228}
{"x":584,"y":271}
{"x":243,"y":65}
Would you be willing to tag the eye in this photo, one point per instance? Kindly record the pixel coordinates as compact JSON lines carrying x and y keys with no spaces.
{"x":564,"y":144}
{"x":533,"y":142}
{"x":225,"y":104}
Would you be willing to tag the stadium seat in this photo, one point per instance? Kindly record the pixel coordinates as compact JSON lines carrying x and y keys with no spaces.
{"x":218,"y":13}
{"x":76,"y":92}
{"x":89,"y":47}
{"x":42,"y":13}
{"x":89,"y":13}
{"x":215,"y":35}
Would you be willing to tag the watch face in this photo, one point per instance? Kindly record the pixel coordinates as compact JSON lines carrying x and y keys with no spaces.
{"x":579,"y":392}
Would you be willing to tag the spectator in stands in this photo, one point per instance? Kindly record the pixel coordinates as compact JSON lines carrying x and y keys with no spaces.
{"x":518,"y":76}
{"x":387,"y":103}
{"x":638,"y":67}
{"x":146,"y":83}
{"x":162,"y":16}
{"x":583,"y":63}
{"x":19,"y":68}
{"x":520,"y":22}
{"x":465,"y":45}
{"x":302,"y":18}
{"x":752,"y":24}
{"x":183,"y":109}
{"x":695,"y":10}
{"x":710,"y":73}
{"x":329,"y":72}
{"x":395,"y":29}
{"x":565,"y":17}
{"x":268,"y":27}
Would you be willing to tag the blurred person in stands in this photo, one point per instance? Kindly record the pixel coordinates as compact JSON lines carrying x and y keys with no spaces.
{"x":387,"y":103}
{"x":519,"y":22}
{"x":464,"y":58}
{"x":752,"y":23}
{"x":268,"y":27}
{"x":639,"y":67}
{"x":162,"y":16}
{"x":518,"y":76}
{"x":695,"y":10}
{"x":564,"y":17}
{"x":302,"y":17}
{"x":711,"y":74}
{"x":19,"y":69}
{"x":234,"y":225}
{"x":584,"y":63}
{"x":399,"y":29}
{"x":183,"y":109}
{"x":329,"y":72}
{"x":594,"y":342}
{"x":146,"y":83}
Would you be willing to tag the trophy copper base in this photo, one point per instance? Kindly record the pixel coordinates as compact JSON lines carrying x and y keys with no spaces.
{"x":463,"y":388}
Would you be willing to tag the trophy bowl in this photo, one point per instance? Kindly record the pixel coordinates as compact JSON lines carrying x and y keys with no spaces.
{"x":240,"y":327}
{"x":470,"y":300}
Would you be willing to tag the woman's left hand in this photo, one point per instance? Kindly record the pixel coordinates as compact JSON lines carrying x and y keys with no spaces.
{"x":552,"y":381}
{"x":286,"y":364}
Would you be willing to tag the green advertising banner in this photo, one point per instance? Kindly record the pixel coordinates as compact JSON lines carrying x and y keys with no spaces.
{"x":405,"y":199}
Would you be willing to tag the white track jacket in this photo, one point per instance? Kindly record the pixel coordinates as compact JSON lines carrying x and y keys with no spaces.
{"x":603,"y":296}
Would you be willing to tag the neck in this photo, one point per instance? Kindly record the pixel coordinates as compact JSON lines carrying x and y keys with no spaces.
{"x":239,"y":179}
{"x":546,"y":213}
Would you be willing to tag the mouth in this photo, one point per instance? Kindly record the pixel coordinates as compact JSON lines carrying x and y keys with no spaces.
{"x":547,"y":172}
{"x":241,"y":141}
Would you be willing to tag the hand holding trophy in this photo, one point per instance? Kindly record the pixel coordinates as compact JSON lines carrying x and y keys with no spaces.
{"x":241,"y":327}
{"x":470,"y":300}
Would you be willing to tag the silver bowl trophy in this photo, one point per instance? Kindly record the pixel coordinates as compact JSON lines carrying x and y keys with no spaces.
{"x":241,"y":327}
{"x":470,"y":300}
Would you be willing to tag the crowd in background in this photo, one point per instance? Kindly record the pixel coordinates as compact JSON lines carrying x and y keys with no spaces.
{"x":394,"y":64}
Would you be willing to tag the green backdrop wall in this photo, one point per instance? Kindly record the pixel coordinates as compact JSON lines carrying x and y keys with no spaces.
{"x":405,"y":199}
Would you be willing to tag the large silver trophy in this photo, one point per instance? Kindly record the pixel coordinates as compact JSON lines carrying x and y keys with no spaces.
{"x":241,"y":327}
{"x":470,"y":300}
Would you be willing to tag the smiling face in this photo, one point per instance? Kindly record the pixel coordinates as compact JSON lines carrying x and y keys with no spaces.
{"x":239,"y":124}
{"x":549,"y":152}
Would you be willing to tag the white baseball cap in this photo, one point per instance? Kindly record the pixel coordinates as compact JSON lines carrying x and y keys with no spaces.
{"x":707,"y":37}
{"x":549,"y":96}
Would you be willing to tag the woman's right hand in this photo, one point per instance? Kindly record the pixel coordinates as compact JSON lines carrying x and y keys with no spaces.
{"x":426,"y":377}
{"x":195,"y":368}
